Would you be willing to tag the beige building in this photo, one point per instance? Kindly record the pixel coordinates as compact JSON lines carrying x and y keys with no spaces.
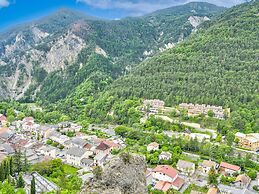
{"x":248,"y":141}
{"x":207,"y":165}
{"x":188,"y":168}
{"x":75,"y":155}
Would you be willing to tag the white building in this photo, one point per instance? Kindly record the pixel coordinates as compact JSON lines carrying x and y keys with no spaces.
{"x":165,"y":156}
{"x":164,"y":173}
{"x":74,"y":155}
{"x":166,"y":177}
{"x":153,"y":146}
{"x":49,"y":151}
{"x":200,"y":136}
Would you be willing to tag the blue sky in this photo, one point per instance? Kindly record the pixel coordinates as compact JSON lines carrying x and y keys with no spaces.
{"x":19,"y":11}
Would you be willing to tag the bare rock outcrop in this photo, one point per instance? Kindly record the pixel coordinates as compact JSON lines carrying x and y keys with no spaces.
{"x":124,"y":174}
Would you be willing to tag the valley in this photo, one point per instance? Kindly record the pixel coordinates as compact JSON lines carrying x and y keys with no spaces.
{"x":165,"y":102}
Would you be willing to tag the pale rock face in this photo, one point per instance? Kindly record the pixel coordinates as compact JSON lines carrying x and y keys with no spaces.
{"x":148,"y":53}
{"x":19,"y":44}
{"x":21,"y":51}
{"x":38,"y":35}
{"x":100,"y":51}
{"x":167,"y":46}
{"x":65,"y":49}
{"x":195,"y":21}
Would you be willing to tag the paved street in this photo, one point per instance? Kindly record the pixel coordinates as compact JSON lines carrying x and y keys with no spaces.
{"x":234,"y":190}
{"x":193,"y":125}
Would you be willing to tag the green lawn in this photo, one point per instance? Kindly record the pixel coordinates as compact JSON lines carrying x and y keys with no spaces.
{"x":193,"y":187}
{"x":69,"y":169}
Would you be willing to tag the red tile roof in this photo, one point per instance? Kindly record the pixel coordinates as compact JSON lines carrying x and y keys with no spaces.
{"x":154,"y":144}
{"x":103,"y":146}
{"x":163,"y":186}
{"x":112,"y":144}
{"x":229,"y":166}
{"x":3,"y":118}
{"x":168,"y":170}
{"x":179,"y":182}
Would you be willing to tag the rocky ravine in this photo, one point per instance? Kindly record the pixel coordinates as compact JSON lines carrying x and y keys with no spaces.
{"x":23,"y":55}
{"x":124,"y":174}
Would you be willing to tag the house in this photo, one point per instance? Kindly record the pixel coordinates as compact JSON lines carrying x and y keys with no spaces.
{"x":153,"y":146}
{"x":6,"y":134}
{"x":154,"y":106}
{"x":57,"y":137}
{"x":76,"y":142}
{"x":87,"y":162}
{"x":212,"y":190}
{"x":242,"y":181}
{"x":100,"y":158}
{"x":7,"y":149}
{"x":207,"y":165}
{"x":49,"y":151}
{"x":163,"y":175}
{"x":197,"y":109}
{"x":28,"y":120}
{"x":32,"y":156}
{"x":228,"y":169}
{"x":165,"y":156}
{"x":200,"y":136}
{"x":163,"y":186}
{"x":74,"y":155}
{"x":248,"y":141}
{"x":103,"y":148}
{"x":149,"y":179}
{"x":186,"y":167}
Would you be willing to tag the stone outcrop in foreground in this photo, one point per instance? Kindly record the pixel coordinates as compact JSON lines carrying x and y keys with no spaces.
{"x":124,"y":174}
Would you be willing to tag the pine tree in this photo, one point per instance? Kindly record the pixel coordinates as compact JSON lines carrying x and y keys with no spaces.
{"x":18,"y":161}
{"x":20,"y":182}
{"x":11,"y":166}
{"x":7,"y":169}
{"x":33,"y":186}
{"x":25,"y":162}
{"x":2,"y":172}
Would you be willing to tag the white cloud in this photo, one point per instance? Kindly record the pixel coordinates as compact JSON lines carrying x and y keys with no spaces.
{"x":138,"y":7}
{"x":4,"y":3}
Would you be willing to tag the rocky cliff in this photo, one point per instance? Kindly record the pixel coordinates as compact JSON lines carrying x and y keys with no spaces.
{"x":124,"y":174}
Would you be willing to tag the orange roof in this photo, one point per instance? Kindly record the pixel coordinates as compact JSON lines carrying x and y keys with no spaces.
{"x":212,"y":190}
{"x":112,"y":144}
{"x":243,"y":178}
{"x":168,"y":170}
{"x":229,"y":166}
{"x":154,"y":144}
{"x":28,"y":119}
{"x":163,"y":186}
{"x":178,"y":182}
{"x":3,"y":118}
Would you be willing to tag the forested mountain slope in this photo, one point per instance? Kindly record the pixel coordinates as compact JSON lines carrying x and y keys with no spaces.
{"x":218,"y":65}
{"x":52,"y":56}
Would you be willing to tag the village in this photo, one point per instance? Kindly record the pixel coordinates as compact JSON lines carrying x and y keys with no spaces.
{"x":84,"y":151}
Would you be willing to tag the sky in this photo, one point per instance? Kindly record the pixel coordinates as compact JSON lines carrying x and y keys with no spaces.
{"x":14,"y":12}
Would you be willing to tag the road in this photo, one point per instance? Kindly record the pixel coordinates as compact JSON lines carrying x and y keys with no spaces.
{"x":193,"y":125}
{"x":235,"y":190}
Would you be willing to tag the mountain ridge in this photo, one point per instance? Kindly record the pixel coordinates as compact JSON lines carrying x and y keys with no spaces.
{"x":53,"y":45}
